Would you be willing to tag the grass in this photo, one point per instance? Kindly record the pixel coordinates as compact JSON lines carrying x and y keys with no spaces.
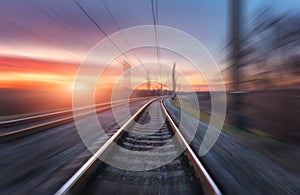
{"x":205,"y":117}
{"x":274,"y":149}
{"x":191,"y":111}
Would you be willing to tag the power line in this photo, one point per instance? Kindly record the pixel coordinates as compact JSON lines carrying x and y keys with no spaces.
{"x":154,"y":7}
{"x":155,"y":20}
{"x":119,"y":28}
{"x":59,"y":22}
{"x":40,"y":37}
{"x":76,"y":25}
{"x":95,"y":23}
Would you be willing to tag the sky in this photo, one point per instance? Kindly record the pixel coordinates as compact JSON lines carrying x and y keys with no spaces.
{"x":43,"y":42}
{"x":36,"y":28}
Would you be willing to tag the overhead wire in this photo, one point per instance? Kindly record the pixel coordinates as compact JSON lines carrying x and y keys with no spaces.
{"x":59,"y":22}
{"x":155,"y":15}
{"x":119,"y":28}
{"x":104,"y":33}
{"x":39,"y":36}
{"x":155,"y":20}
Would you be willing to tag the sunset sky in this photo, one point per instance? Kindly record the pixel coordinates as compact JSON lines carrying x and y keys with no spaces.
{"x":43,"y":42}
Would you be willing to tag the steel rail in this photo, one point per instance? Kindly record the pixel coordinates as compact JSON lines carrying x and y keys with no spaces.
{"x":82,"y":176}
{"x":57,"y":113}
{"x":77,"y":181}
{"x":209,"y":186}
{"x":5,"y":137}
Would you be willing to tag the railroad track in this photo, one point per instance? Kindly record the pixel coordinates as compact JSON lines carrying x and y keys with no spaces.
{"x":17,"y":128}
{"x":182,"y":175}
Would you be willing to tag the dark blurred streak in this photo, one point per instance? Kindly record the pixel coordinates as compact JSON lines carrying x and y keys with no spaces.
{"x":274,"y":40}
{"x":268,"y":70}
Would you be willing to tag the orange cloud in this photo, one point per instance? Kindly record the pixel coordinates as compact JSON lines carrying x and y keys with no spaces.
{"x":25,"y":73}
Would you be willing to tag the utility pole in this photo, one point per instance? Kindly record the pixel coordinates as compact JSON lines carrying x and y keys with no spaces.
{"x":235,"y":58}
{"x":127,"y":81}
{"x":148,"y":82}
{"x":173,"y":82}
{"x":235,"y":38}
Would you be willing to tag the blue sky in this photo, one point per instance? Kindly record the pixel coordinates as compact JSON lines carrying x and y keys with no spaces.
{"x":58,"y":28}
